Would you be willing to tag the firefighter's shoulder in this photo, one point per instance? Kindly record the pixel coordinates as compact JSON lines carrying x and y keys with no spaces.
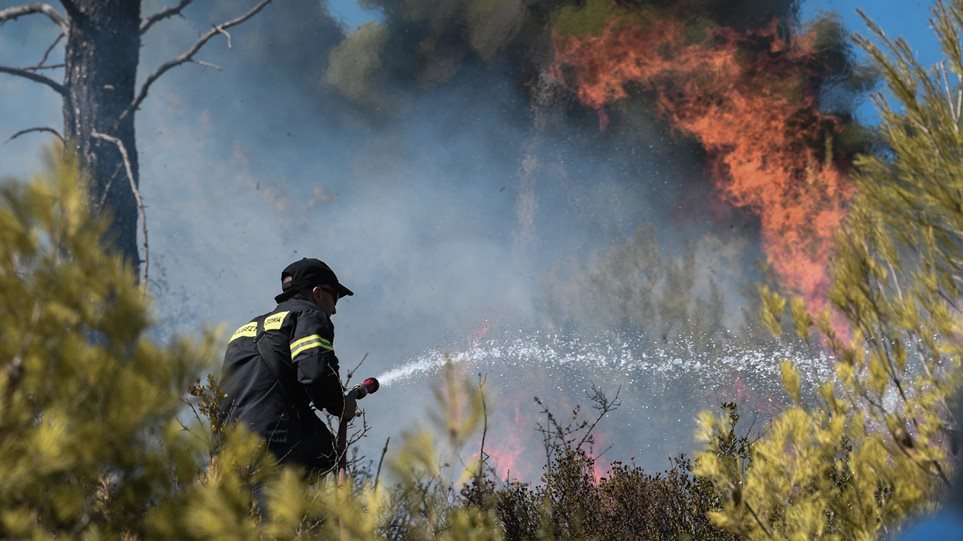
{"x":248,"y":330}
{"x":275,"y":320}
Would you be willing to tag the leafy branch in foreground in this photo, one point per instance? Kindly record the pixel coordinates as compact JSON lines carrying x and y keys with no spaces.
{"x":88,"y":416}
{"x":877,"y":448}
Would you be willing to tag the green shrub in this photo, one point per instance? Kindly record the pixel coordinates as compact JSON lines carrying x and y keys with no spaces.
{"x":875,"y":450}
{"x":89,"y":438}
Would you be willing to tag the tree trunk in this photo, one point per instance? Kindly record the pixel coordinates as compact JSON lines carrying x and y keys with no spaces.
{"x":102,"y":51}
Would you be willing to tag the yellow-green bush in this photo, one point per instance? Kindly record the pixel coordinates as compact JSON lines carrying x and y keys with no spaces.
{"x":88,"y":403}
{"x":878,"y":447}
{"x":91,"y":441}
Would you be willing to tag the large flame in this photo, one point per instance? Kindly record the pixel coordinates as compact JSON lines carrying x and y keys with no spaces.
{"x":750,"y":99}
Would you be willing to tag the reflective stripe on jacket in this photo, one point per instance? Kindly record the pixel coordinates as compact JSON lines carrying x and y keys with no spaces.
{"x":275,"y":368}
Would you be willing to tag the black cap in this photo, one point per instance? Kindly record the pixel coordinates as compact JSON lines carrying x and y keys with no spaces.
{"x":308,"y":272}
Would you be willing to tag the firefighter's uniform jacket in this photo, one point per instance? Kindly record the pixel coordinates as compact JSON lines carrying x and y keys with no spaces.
{"x":275,"y":368}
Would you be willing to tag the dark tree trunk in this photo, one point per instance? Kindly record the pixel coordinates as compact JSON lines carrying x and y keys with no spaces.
{"x":102,"y":51}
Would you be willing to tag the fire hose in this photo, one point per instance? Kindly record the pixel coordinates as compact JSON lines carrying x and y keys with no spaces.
{"x":363,"y":389}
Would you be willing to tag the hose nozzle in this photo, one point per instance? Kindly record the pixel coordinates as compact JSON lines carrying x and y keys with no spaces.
{"x":364,"y":388}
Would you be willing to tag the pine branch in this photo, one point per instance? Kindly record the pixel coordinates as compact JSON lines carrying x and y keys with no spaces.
{"x":57,"y":87}
{"x":188,"y":55}
{"x":164,"y":14}
{"x":15,"y":12}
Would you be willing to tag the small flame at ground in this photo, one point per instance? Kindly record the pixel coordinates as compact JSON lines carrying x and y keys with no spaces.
{"x":505,"y":452}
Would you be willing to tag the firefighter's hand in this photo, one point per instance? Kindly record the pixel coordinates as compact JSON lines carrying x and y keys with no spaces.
{"x":350,"y":408}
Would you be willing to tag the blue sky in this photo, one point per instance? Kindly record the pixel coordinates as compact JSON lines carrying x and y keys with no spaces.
{"x":350,"y":13}
{"x":908,"y":19}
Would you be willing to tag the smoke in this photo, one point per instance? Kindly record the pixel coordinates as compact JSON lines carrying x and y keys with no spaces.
{"x":434,"y":162}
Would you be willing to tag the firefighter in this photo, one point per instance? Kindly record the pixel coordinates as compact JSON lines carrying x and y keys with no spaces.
{"x":281,"y":367}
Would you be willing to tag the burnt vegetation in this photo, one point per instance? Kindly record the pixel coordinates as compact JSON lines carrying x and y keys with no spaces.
{"x":574,"y":500}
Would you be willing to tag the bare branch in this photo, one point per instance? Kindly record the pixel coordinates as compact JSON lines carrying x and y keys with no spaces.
{"x":163,"y":14}
{"x":10,"y":14}
{"x":137,"y":197}
{"x":106,"y":190}
{"x":384,"y":451}
{"x":46,"y":67}
{"x":57,"y":87}
{"x":355,"y":369}
{"x":604,"y":406}
{"x":227,"y":36}
{"x":37,"y":129}
{"x":362,"y":432}
{"x":49,"y":50}
{"x":207,"y":65}
{"x":188,"y":55}
{"x":481,"y":450}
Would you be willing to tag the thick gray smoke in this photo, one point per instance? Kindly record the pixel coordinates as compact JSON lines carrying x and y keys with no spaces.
{"x":414,"y":159}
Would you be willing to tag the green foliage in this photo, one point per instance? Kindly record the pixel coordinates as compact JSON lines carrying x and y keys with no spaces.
{"x":88,"y":402}
{"x":876,"y":449}
{"x":91,"y":441}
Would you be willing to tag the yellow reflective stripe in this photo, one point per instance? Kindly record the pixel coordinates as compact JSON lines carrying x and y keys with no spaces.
{"x":296,"y":343}
{"x":309,"y":342}
{"x":274,"y":321}
{"x":313,"y":341}
{"x":305,"y":347}
{"x":246,"y":331}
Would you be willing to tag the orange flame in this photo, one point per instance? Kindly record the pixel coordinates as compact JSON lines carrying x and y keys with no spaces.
{"x":505,"y":455}
{"x":599,"y":470}
{"x":750,"y":100}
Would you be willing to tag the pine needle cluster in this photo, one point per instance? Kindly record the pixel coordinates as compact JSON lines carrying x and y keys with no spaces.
{"x":881,"y":444}
{"x":88,"y":403}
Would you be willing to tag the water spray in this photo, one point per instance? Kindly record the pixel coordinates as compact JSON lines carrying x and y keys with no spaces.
{"x":359,"y":391}
{"x":665,"y":384}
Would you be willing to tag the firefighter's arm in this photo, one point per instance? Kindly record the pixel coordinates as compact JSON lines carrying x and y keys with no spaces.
{"x":312,"y":353}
